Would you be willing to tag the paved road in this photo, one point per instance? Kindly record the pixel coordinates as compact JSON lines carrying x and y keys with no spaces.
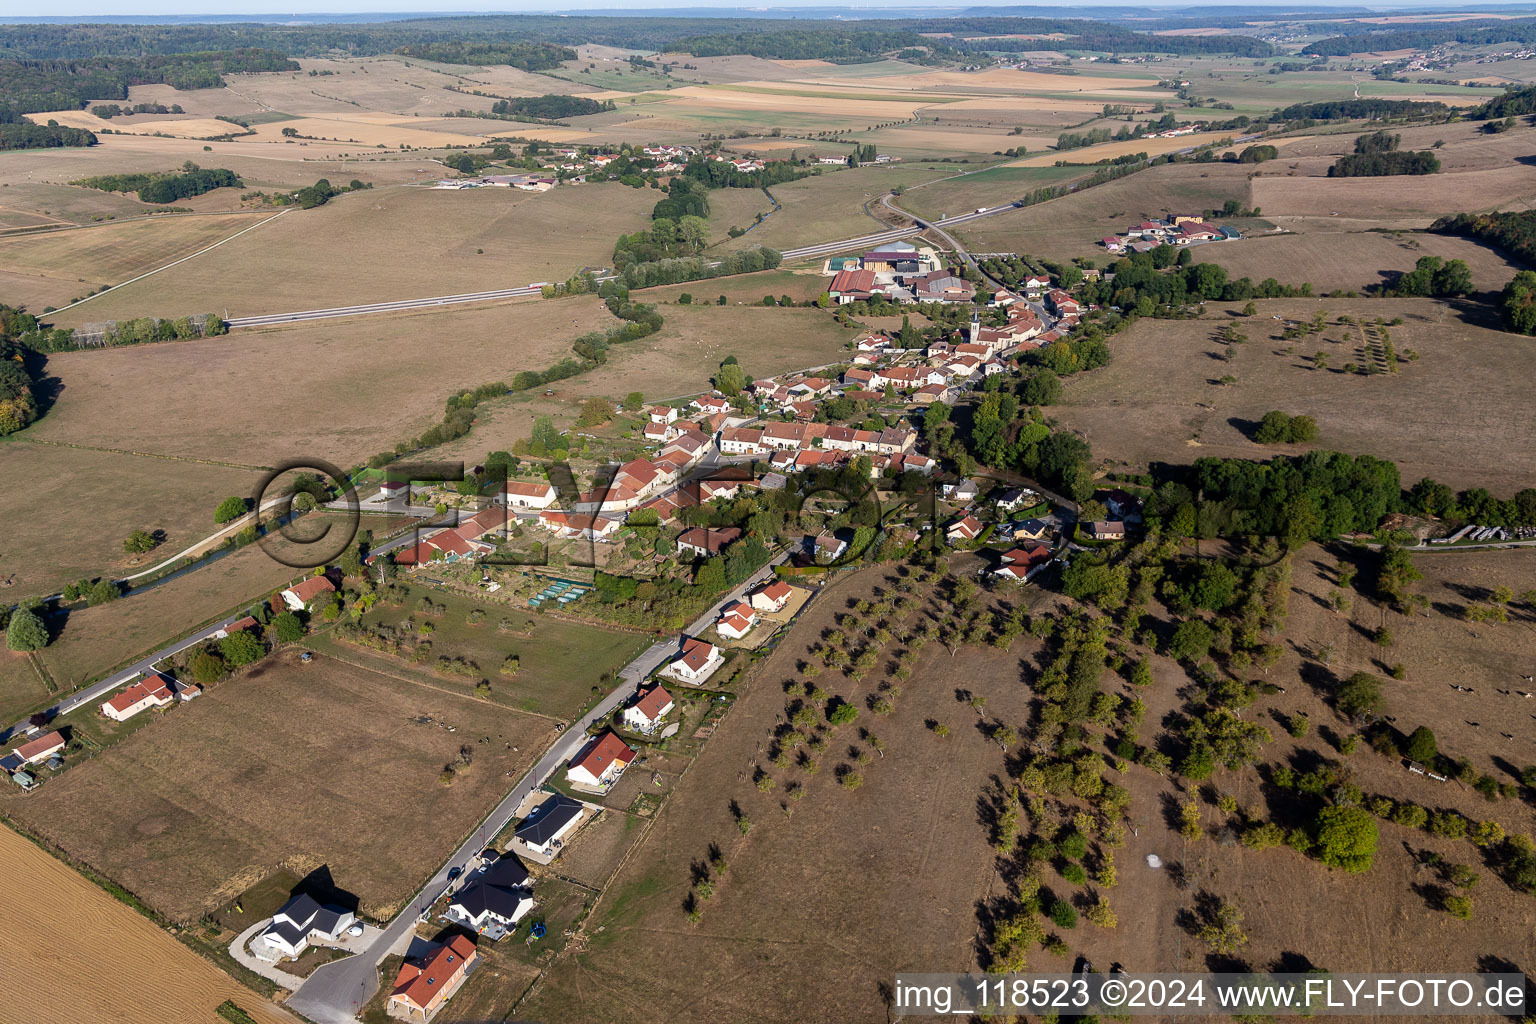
{"x":337,"y":990}
{"x":99,"y":690}
{"x":523,"y":291}
{"x":918,"y":226}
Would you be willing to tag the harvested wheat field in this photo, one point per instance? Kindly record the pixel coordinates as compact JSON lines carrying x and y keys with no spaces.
{"x":337,"y":389}
{"x":144,"y":124}
{"x":362,"y":129}
{"x":1108,"y":150}
{"x":67,"y":510}
{"x":764,"y":97}
{"x":1160,"y":399}
{"x":413,"y":243}
{"x":82,"y":260}
{"x":79,"y":955}
{"x":286,"y":765}
{"x":1405,"y":201}
{"x":387,"y":83}
{"x":1337,"y":261}
{"x":1000,"y":79}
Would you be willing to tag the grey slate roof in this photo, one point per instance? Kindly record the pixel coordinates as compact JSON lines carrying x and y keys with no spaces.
{"x":548,"y":819}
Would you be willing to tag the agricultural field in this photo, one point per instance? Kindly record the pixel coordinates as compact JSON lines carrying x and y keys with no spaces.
{"x":71,"y":508}
{"x":419,"y":242}
{"x":1072,"y":225}
{"x":997,"y":185}
{"x":1160,"y":399}
{"x":218,"y":792}
{"x":1110,"y":150}
{"x":1291,"y":192}
{"x":364,"y":385}
{"x":91,"y":641}
{"x":559,"y":660}
{"x":829,"y":206}
{"x":22,"y":685}
{"x":1410,"y":202}
{"x":1350,"y":261}
{"x":56,"y":267}
{"x":789,"y":877}
{"x":84,"y":955}
{"x":676,"y":361}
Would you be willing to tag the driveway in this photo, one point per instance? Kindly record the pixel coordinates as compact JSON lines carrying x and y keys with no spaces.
{"x":266,"y":968}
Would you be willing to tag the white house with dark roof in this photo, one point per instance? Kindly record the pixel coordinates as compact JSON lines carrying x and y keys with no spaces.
{"x":301,"y":921}
{"x":548,"y":825}
{"x":492,"y":901}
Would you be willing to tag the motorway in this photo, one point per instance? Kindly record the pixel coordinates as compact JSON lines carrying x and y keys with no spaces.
{"x":382,"y":307}
{"x":338,"y":990}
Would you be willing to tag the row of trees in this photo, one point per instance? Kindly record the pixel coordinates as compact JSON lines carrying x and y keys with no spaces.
{"x":111,"y":110}
{"x":699,"y":268}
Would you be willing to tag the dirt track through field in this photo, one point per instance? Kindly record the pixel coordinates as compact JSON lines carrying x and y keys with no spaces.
{"x":83,"y":957}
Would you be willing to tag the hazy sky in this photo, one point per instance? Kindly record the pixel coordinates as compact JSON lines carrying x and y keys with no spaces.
{"x":298,"y":8}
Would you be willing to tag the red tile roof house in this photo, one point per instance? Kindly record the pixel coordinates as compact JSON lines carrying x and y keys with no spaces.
{"x":773,"y":597}
{"x":736,"y":621}
{"x":659,"y":433}
{"x":240,"y":625}
{"x":40,"y":749}
{"x":302,"y":595}
{"x":1064,"y":303}
{"x":566,"y":524}
{"x":600,"y":762}
{"x":697,"y":662}
{"x":862,"y":378}
{"x":652,"y":702}
{"x":829,"y":547}
{"x":1019,"y":563}
{"x":1107,"y":531}
{"x":967,"y":528}
{"x":521,"y":494}
{"x":422,"y":988}
{"x":153,"y":691}
{"x":663,"y":414}
{"x":811,"y":386}
{"x":704,"y":542}
{"x":741,"y":440}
